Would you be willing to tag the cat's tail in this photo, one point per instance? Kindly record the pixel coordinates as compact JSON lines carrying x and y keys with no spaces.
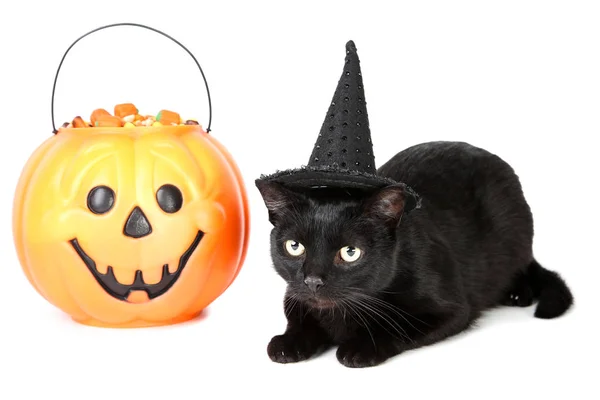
{"x":553,"y":294}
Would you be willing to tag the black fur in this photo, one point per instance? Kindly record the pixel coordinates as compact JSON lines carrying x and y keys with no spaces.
{"x":432,"y":259}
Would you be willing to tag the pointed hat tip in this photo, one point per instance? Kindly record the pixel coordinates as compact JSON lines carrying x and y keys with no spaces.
{"x":350,"y":47}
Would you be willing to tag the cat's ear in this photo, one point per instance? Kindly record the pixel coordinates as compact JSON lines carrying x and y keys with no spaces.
{"x":277,"y":198}
{"x":391,"y":202}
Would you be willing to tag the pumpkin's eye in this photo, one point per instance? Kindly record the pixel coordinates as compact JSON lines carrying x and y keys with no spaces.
{"x":169,"y":198}
{"x":101,"y":199}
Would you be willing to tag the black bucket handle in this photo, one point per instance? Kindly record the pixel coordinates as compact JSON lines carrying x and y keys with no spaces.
{"x":139,"y":26}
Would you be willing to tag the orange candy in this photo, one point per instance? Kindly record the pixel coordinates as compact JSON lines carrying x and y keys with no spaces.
{"x":98,"y":114}
{"x":127,"y":114}
{"x":78,"y":122}
{"x":167,"y":117}
{"x":108,"y":121}
{"x":125,"y":109}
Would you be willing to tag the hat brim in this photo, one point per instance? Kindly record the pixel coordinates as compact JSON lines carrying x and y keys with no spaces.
{"x":318,"y":177}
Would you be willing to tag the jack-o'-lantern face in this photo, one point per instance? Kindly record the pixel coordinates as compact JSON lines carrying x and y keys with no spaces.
{"x":152,"y":280}
{"x":131,"y":229}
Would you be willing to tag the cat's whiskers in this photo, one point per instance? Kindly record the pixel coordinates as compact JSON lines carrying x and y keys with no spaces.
{"x":357,"y":312}
{"x":373,"y":312}
{"x":396,"y":310}
{"x":392,"y":307}
{"x":378,"y":291}
{"x":290,"y":302}
{"x":307,"y":309}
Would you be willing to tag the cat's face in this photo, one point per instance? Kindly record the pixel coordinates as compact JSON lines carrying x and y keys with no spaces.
{"x":330,"y":245}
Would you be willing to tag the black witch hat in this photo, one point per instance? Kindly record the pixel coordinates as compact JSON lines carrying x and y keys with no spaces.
{"x":343,"y":153}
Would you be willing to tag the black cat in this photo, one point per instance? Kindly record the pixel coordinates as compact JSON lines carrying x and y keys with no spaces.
{"x":378,"y":273}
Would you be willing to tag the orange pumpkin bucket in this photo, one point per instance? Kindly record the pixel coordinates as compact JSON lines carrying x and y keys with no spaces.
{"x":122,"y":223}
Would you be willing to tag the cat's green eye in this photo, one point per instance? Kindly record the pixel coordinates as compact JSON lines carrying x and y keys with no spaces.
{"x":350,"y":253}
{"x":294,"y":248}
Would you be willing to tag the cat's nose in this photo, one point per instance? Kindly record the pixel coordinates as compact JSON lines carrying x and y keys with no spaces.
{"x":314,"y":283}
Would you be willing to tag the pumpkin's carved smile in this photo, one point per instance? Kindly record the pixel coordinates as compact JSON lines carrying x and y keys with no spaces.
{"x":120,"y":291}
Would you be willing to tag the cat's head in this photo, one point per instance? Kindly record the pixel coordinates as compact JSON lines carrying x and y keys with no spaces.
{"x":330,"y":244}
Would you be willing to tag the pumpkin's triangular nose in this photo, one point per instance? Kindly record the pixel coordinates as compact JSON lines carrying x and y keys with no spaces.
{"x":137,"y":225}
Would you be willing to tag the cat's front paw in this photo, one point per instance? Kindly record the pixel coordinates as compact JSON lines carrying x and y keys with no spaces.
{"x":362,"y":353}
{"x":289,"y":348}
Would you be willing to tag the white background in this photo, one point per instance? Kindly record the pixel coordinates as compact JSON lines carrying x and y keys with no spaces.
{"x":519,"y":78}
